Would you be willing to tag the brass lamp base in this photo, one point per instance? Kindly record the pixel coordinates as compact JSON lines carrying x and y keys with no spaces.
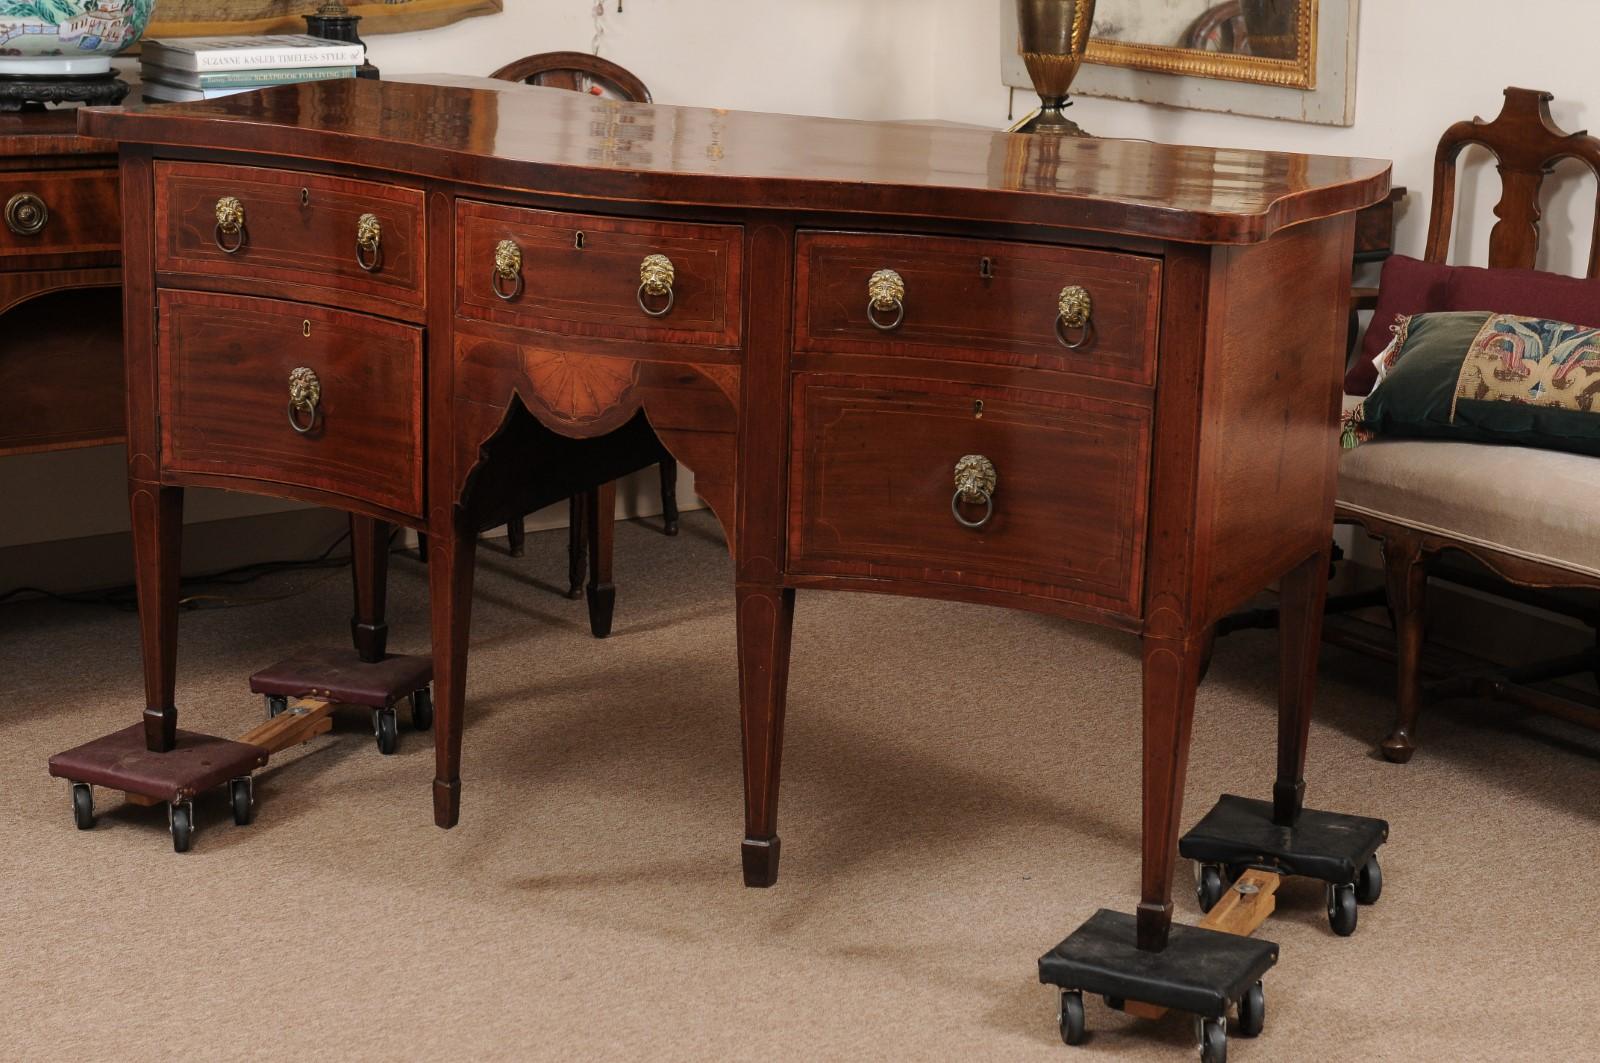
{"x":1050,"y":121}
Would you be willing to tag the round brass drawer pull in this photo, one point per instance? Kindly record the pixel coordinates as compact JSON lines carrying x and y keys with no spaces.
{"x":1075,"y":313}
{"x":975,"y":482}
{"x":507,"y":267}
{"x":886,"y":291}
{"x":230,"y":222}
{"x":26,"y":214}
{"x":305,"y":392}
{"x":369,"y":243}
{"x":656,"y":274}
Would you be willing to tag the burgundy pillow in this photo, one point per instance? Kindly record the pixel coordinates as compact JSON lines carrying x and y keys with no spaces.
{"x":1409,"y":286}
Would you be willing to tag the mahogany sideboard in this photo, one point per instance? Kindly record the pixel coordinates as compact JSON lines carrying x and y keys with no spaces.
{"x":1092,"y":378}
{"x":60,"y":308}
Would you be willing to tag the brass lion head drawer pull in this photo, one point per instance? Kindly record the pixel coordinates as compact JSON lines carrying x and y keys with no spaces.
{"x":305,"y":392}
{"x":1075,"y":316}
{"x":975,"y":482}
{"x":656,"y":275}
{"x":26,"y":214}
{"x":507,"y":268}
{"x":369,"y":243}
{"x":886,"y":291}
{"x":230,"y":232}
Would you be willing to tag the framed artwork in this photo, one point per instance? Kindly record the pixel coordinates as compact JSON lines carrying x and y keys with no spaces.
{"x":210,"y":18}
{"x":1290,"y":59}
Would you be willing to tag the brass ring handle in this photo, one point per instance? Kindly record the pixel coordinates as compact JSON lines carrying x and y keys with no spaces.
{"x":975,"y":479}
{"x":507,"y":267}
{"x":886,"y":291}
{"x":656,"y":274}
{"x":230,"y":222}
{"x":305,"y":392}
{"x":1075,"y":313}
{"x":369,"y":243}
{"x":26,"y":214}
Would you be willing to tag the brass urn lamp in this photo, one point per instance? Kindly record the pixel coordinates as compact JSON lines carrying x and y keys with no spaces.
{"x":1053,"y":35}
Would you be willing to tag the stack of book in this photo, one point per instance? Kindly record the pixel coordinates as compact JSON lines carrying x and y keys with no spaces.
{"x":183,"y":69}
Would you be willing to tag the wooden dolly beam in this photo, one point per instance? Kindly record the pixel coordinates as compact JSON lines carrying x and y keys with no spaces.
{"x":1243,"y":908}
{"x":302,"y":721}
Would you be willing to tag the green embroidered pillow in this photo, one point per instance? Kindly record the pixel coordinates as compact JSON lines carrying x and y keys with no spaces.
{"x":1486,"y":378}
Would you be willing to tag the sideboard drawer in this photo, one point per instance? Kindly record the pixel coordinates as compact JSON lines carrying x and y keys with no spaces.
{"x":992,"y":301}
{"x":585,"y":275}
{"x":227,"y":363}
{"x":328,"y":233}
{"x":60,"y":212}
{"x":873,"y":487}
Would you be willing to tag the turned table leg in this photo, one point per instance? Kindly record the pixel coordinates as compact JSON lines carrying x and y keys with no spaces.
{"x":451,"y":548}
{"x":369,"y":552}
{"x":1302,"y":594}
{"x":766,"y":621}
{"x":157,"y":516}
{"x":1171,"y":674}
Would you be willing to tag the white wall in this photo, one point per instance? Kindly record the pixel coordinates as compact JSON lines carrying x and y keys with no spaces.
{"x":1423,"y":64}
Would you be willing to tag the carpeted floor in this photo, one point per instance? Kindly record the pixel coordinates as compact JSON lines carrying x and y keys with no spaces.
{"x":961,"y":790}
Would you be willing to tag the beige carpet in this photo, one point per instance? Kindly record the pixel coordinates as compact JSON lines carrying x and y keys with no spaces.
{"x":961,"y":790}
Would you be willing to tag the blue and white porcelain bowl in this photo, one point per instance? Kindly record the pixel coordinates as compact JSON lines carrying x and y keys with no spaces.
{"x":67,"y":38}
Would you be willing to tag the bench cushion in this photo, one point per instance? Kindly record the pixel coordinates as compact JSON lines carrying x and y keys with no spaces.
{"x":1542,"y":505}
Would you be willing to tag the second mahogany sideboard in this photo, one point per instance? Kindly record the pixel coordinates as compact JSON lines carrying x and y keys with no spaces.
{"x":1091,"y":378}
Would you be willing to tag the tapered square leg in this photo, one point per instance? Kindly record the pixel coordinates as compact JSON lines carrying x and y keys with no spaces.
{"x":157,"y":517}
{"x":451,"y":555}
{"x":577,"y":543}
{"x":602,"y":593}
{"x":516,"y":536}
{"x":369,"y":552}
{"x":1171,"y":674}
{"x":1302,"y":594}
{"x":1406,"y":579}
{"x":669,"y":496}
{"x":766,"y":623}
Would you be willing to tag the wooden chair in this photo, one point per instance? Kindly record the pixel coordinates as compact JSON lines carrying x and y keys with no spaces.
{"x":590,"y":514}
{"x":1494,"y":504}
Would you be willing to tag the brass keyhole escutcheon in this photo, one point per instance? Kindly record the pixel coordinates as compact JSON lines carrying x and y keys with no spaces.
{"x":578,"y":240}
{"x":26,"y":214}
{"x":305,"y":327}
{"x":305,"y":197}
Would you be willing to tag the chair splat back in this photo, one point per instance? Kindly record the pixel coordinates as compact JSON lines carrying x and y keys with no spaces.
{"x":1527,"y":144}
{"x":578,"y":71}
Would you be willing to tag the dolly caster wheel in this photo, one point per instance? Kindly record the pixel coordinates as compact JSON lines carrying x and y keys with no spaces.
{"x":83,"y":805}
{"x":180,"y":820}
{"x":1252,"y":1011}
{"x":1213,"y":1037}
{"x":422,"y":708}
{"x":1342,"y":909}
{"x":242,"y":791}
{"x":1369,"y":887}
{"x":1210,"y":886}
{"x":276,"y":703}
{"x":1071,"y":1019}
{"x":387,"y":728}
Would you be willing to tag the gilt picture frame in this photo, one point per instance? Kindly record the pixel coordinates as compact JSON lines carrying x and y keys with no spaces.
{"x":1313,"y":81}
{"x":213,"y":18}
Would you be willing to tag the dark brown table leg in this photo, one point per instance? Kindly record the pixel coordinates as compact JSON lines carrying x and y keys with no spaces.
{"x":157,"y":516}
{"x":369,"y":551}
{"x":577,"y":539}
{"x":451,"y":547}
{"x":1171,"y":673}
{"x":766,"y":621}
{"x":516,"y":536}
{"x":602,"y":524}
{"x":669,"y":496}
{"x":1302,"y":593}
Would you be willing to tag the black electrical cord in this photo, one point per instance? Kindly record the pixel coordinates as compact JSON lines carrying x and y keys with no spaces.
{"x":125,"y":597}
